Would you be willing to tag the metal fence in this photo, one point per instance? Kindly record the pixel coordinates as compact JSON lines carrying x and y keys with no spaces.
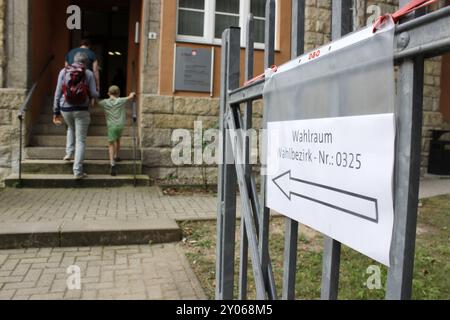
{"x":419,"y":36}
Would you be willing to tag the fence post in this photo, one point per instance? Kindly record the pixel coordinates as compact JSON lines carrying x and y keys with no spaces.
{"x":291,"y":229}
{"x":220,"y":177}
{"x":341,"y":25}
{"x":409,"y":116}
{"x":226,"y":217}
{"x":247,"y":124}
{"x":264,"y":219}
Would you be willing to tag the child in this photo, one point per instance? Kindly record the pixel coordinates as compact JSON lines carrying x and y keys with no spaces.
{"x":114,"y":108}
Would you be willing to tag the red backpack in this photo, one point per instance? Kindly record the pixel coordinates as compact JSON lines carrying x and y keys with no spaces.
{"x":75,"y":87}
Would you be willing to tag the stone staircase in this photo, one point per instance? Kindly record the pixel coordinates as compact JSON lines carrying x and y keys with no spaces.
{"x":43,"y":167}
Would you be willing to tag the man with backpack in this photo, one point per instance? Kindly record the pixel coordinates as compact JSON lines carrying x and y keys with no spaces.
{"x":74,"y":92}
{"x":92,"y":63}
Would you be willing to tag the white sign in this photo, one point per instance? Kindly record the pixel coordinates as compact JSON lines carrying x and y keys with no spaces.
{"x":335,"y":175}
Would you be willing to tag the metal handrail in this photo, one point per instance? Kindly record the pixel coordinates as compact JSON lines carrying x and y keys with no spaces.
{"x":134,"y":122}
{"x":23,"y":110}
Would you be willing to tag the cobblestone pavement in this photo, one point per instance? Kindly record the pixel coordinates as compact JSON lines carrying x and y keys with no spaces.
{"x":107,"y":273}
{"x":32,"y":205}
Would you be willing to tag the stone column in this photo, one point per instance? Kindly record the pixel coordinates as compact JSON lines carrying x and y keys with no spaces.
{"x":18,"y":43}
{"x":14,"y":77}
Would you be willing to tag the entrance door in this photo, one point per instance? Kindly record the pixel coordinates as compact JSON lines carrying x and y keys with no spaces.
{"x":445,"y":84}
{"x":110,"y":25}
{"x":107,"y":24}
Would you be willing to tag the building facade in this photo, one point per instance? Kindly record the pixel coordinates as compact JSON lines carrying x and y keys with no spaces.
{"x":141,"y":42}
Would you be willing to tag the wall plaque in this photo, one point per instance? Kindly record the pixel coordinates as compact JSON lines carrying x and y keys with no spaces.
{"x":193,"y":69}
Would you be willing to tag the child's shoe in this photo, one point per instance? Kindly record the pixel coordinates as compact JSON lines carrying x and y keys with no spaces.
{"x":113,"y":171}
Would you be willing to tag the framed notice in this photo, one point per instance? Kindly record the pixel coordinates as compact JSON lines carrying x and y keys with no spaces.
{"x":193,"y":69}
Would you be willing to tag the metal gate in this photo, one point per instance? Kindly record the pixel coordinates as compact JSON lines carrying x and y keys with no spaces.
{"x":419,"y":36}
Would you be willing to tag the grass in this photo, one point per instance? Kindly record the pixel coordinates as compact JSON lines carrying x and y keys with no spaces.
{"x":431,"y":270}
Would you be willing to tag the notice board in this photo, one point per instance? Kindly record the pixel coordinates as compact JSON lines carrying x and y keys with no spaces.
{"x":193,"y":69}
{"x":331,"y":140}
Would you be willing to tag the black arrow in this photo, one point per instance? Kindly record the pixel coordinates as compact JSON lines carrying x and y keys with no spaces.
{"x":317,"y":191}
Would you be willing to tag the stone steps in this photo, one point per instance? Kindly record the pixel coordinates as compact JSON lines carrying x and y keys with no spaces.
{"x":96,"y":119}
{"x":58,"y":153}
{"x":51,"y":129}
{"x":96,"y":167}
{"x":93,"y":111}
{"x":47,"y":181}
{"x":111,"y":232}
{"x":60,"y":141}
{"x":43,"y":166}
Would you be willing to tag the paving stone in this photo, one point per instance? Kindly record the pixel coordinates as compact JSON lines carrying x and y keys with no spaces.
{"x":121,"y":272}
{"x":40,"y":205}
{"x":48,"y":296}
{"x":18,"y":285}
{"x":7,"y":294}
{"x":89,"y":295}
{"x":33,"y":291}
{"x":136,"y":280}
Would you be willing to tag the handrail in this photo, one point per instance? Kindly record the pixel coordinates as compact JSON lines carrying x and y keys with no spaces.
{"x":23,"y":109}
{"x":134,"y":122}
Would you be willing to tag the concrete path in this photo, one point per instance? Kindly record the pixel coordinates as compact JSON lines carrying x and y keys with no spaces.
{"x":107,"y":273}
{"x":127,"y":203}
{"x":434,"y":186}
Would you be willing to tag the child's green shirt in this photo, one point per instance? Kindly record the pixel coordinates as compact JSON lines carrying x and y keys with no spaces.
{"x":114,"y":111}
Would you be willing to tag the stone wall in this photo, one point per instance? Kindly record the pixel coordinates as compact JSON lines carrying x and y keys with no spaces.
{"x":318,"y":32}
{"x":2,"y":39}
{"x":160,"y":116}
{"x":10,"y":102}
{"x":432,"y":117}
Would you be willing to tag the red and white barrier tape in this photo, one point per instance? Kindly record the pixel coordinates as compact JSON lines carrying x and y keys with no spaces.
{"x":411,"y":6}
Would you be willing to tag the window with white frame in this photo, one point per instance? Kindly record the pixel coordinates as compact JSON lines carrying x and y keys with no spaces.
{"x":191,"y":17}
{"x":204,"y":20}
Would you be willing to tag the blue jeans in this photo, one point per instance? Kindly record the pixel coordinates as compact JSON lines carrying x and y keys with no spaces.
{"x":78,"y":124}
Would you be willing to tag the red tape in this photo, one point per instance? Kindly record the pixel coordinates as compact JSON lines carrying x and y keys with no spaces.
{"x":411,"y":6}
{"x":260,"y":77}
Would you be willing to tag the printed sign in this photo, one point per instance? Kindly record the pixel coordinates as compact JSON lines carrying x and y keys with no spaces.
{"x":335,"y":176}
{"x":193,"y":69}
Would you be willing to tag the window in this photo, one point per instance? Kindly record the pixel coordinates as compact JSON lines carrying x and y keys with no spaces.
{"x":258,"y":8}
{"x":204,"y":21}
{"x":191,"y":15}
{"x":226,"y":15}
